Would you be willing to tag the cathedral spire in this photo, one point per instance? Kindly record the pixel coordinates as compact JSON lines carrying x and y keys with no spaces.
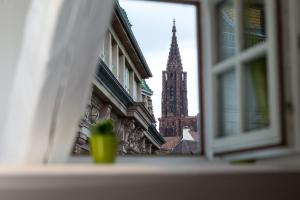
{"x":174,"y":103}
{"x":174,"y":60}
{"x":174,"y":27}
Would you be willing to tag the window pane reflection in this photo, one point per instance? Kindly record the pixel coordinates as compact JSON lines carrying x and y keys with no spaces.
{"x":256,"y":95}
{"x":254,"y":22}
{"x":228,"y":105}
{"x":225,"y":29}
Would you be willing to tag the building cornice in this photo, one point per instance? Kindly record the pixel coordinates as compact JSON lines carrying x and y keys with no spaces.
{"x":132,"y":39}
{"x":107,"y":78}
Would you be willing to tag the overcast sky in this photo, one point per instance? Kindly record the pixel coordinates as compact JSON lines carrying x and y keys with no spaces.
{"x":152,"y":26}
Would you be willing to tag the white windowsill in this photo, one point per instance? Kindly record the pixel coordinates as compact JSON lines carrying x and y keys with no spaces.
{"x":139,"y":166}
{"x":146,"y":178}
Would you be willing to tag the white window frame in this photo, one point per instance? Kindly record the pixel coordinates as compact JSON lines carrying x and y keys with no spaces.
{"x":294,"y":40}
{"x":269,"y":48}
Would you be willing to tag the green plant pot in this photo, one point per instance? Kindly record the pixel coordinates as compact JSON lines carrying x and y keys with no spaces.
{"x":103,"y":147}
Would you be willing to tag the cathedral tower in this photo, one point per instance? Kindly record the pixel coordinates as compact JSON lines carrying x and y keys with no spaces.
{"x":174,"y":93}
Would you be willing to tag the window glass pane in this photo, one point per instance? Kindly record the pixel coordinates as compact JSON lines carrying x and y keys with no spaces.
{"x":225,"y":29}
{"x":256,"y":95}
{"x":254,"y":22}
{"x":228,"y":105}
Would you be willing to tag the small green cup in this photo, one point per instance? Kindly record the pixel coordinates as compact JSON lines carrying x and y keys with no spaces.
{"x":103,"y":142}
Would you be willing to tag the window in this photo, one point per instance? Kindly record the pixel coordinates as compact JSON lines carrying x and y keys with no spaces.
{"x":107,"y":49}
{"x":244,"y":75}
{"x":256,"y":98}
{"x":172,"y":96}
{"x":225,"y":29}
{"x":135,"y":88}
{"x":127,"y":81}
{"x":228,"y":109}
{"x":115,"y":58}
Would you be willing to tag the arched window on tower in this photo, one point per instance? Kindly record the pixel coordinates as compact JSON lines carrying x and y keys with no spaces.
{"x":171,"y":107}
{"x":172,"y":93}
{"x":169,"y":132}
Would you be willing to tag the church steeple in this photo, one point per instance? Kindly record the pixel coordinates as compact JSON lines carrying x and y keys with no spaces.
{"x":174,"y":93}
{"x":174,"y":103}
{"x":174,"y":60}
{"x":174,"y":27}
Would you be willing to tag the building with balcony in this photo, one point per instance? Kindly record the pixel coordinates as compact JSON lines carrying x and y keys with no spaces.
{"x":120,"y":92}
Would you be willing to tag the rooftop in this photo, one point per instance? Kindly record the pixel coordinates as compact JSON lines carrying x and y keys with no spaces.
{"x":146,"y":88}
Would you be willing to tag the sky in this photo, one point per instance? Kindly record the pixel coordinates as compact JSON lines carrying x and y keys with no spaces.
{"x":152,"y":26}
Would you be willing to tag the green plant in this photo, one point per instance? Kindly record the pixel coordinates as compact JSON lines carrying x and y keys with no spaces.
{"x":103,"y":127}
{"x":103,"y":142}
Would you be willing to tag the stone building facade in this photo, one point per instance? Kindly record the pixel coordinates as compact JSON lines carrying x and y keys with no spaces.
{"x":120,"y":93}
{"x":174,"y":115}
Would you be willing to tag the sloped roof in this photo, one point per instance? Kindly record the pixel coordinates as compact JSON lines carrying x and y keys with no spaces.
{"x":146,"y":88}
{"x":187,"y":147}
{"x":122,"y":16}
{"x":125,"y":16}
{"x":171,"y":142}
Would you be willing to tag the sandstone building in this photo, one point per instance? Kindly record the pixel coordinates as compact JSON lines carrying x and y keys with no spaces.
{"x":120,"y":93}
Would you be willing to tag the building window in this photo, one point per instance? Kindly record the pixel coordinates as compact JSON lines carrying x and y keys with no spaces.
{"x":107,"y":49}
{"x":115,"y":58}
{"x":244,"y":75}
{"x":127,"y":81}
{"x":135,"y":90}
{"x":172,"y":93}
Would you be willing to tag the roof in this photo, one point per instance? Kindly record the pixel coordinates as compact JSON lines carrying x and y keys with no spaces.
{"x":187,"y":147}
{"x":125,"y":16}
{"x":156,"y":136}
{"x":146,"y":88}
{"x":127,"y":26}
{"x":171,"y":142}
